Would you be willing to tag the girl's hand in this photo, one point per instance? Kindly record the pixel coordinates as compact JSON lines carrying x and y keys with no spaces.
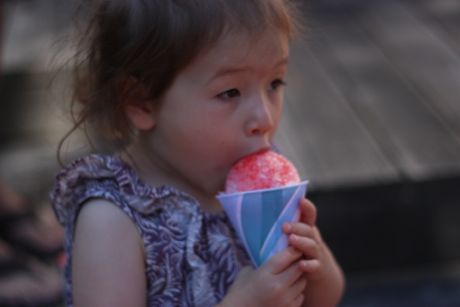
{"x":305,"y":237}
{"x":279,"y":282}
{"x":324,"y":277}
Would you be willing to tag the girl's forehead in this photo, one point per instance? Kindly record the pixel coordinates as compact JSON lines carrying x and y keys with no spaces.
{"x":245,"y":49}
{"x":240,"y":43}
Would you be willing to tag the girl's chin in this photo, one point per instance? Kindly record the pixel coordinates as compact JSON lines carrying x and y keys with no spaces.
{"x":219,"y":185}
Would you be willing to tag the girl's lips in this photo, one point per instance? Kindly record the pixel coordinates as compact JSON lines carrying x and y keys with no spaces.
{"x":257,"y":152}
{"x":261,"y":151}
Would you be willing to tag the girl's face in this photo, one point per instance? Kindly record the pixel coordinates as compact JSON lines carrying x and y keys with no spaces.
{"x":225,"y":105}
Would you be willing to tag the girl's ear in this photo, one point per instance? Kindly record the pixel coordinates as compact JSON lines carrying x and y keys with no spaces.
{"x":141,"y":115}
{"x":138,"y":106}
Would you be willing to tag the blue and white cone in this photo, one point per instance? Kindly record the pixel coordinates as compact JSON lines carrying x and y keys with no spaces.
{"x":258,"y":217}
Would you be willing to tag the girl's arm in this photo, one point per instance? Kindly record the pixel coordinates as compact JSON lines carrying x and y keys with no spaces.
{"x":108,"y":258}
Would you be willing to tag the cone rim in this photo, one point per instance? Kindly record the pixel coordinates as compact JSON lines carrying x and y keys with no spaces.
{"x":223,"y":195}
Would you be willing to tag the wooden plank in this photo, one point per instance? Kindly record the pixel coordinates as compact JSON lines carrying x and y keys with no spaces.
{"x":425,"y":60}
{"x":415,"y":140}
{"x":36,"y":35}
{"x":321,"y":134}
{"x":36,"y":107}
{"x":442,"y":17}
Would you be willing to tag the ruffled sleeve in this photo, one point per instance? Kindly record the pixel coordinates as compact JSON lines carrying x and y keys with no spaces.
{"x":107,"y":177}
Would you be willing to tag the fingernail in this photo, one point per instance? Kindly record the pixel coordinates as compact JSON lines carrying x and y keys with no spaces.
{"x":287,"y":227}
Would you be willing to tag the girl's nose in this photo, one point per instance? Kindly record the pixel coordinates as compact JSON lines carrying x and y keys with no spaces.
{"x":261,"y":120}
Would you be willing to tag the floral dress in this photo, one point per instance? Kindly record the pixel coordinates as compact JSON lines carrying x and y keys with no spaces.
{"x":192,"y":257}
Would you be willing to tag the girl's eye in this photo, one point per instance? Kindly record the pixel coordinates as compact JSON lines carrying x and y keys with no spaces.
{"x":277,"y":83}
{"x":232,"y":93}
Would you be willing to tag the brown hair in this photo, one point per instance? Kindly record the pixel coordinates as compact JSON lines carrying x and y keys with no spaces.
{"x":151,"y":41}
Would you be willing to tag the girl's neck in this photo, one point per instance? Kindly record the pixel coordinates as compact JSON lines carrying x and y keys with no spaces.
{"x":156,"y":173}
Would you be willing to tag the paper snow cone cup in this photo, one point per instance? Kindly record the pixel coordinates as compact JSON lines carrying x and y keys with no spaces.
{"x":258,"y":217}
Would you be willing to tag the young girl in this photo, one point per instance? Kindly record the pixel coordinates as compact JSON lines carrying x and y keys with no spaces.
{"x":187,"y":88}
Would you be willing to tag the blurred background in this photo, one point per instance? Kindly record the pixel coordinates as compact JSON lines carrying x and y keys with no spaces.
{"x":372,"y":119}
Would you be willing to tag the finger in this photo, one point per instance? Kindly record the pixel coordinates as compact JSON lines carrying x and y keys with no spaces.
{"x":291,"y":275}
{"x":310,"y":266}
{"x":296,"y":286}
{"x":299,"y":286}
{"x":307,"y":212}
{"x":282,"y":260}
{"x":308,"y":246}
{"x":298,"y":301}
{"x":295,"y":293}
{"x":301,"y":229}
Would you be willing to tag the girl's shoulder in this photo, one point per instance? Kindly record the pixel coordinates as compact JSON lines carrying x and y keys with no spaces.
{"x":109,"y":177}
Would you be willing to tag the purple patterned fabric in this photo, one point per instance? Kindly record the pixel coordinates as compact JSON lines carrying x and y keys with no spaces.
{"x":192,"y":257}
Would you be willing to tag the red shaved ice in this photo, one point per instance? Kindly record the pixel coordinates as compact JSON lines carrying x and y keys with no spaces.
{"x":262,"y":170}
